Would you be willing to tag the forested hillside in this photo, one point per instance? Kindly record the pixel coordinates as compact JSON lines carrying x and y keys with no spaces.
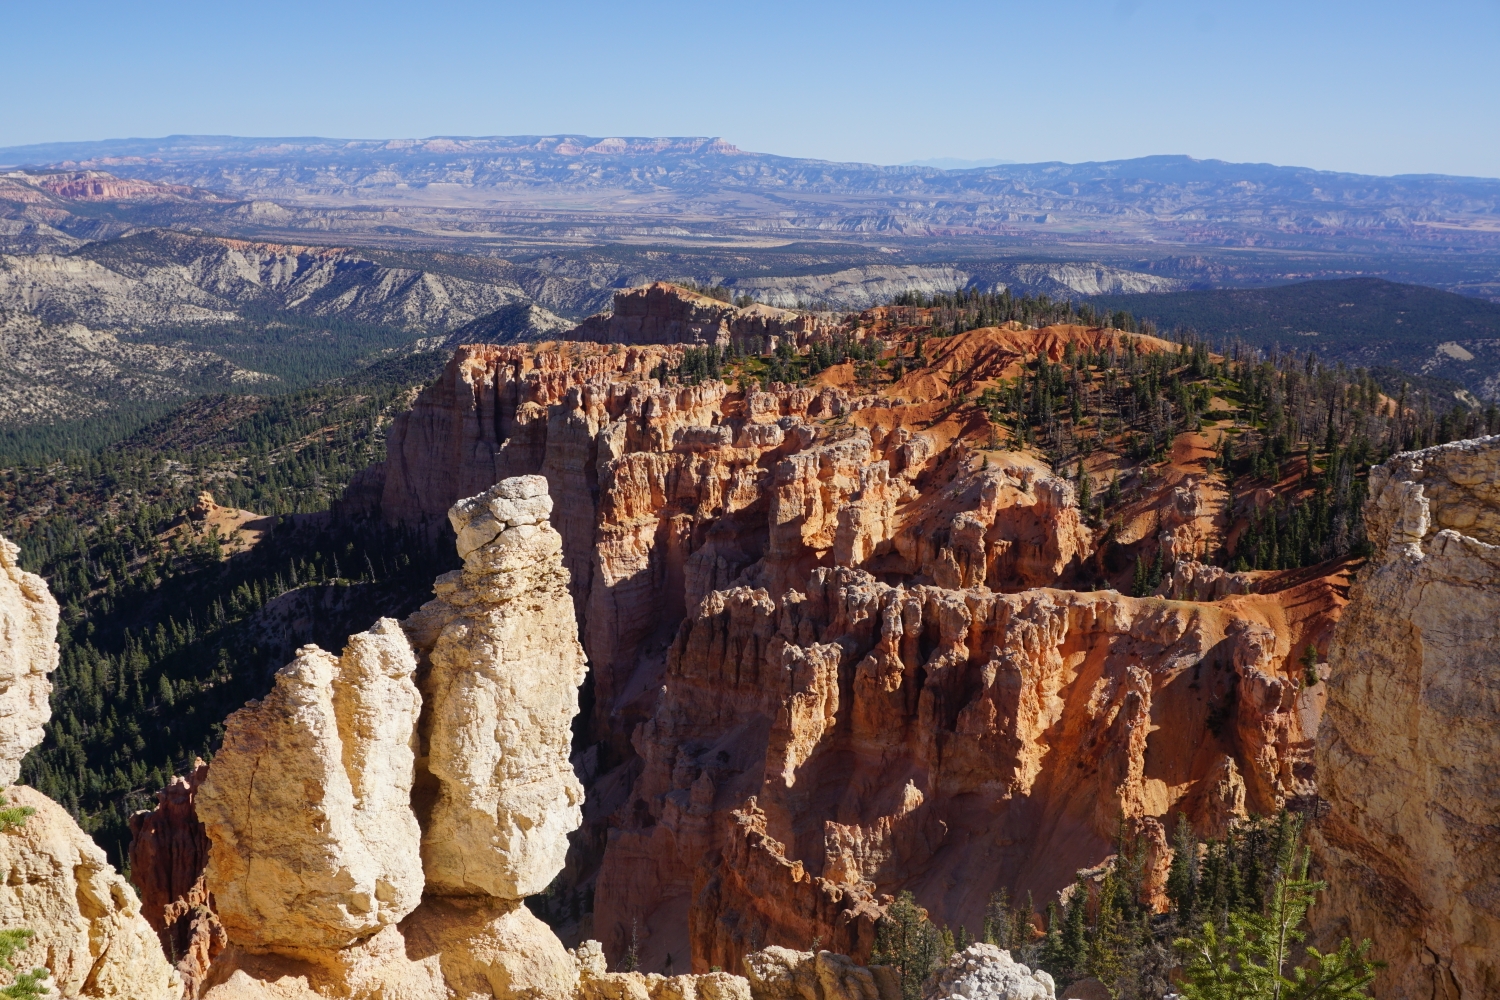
{"x":1357,"y":322}
{"x":164,"y":632}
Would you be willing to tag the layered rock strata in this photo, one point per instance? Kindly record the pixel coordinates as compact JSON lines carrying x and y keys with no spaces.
{"x":665,"y":493}
{"x":676,"y":497}
{"x":857,"y":737}
{"x":663,"y":313}
{"x":89,"y":932}
{"x":1408,"y":833}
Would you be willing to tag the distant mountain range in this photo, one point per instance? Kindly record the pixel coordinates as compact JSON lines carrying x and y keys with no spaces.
{"x":137,"y":270}
{"x":954,"y":163}
{"x":1201,"y":222}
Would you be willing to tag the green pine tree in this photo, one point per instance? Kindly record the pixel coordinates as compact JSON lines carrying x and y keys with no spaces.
{"x":26,"y":985}
{"x":1073,"y":952}
{"x":906,"y":940}
{"x":1252,"y":958}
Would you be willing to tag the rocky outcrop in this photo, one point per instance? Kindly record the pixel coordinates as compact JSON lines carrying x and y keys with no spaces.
{"x":307,"y":803}
{"x":984,"y":972}
{"x":980,"y":972}
{"x":1407,"y":832}
{"x":28,"y":655}
{"x":89,"y":932}
{"x":502,"y":667}
{"x":666,"y":492}
{"x":857,"y":736}
{"x":663,"y":313}
{"x":1190,"y":580}
{"x":377,"y":820}
{"x":699,"y":523}
{"x":777,"y":973}
{"x":168,"y":854}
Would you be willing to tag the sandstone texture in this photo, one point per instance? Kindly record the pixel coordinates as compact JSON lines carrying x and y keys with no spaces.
{"x":377,"y":820}
{"x":28,"y":654}
{"x":984,"y":972}
{"x":777,"y":973}
{"x":307,"y":803}
{"x":1409,"y":833}
{"x":502,"y":666}
{"x":662,"y":313}
{"x":859,"y":735}
{"x":89,"y":931}
{"x":488,"y":947}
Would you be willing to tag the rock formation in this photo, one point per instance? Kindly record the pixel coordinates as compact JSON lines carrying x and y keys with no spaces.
{"x":377,"y":820}
{"x":663,"y":313}
{"x":318,"y":874}
{"x":28,"y":654}
{"x":168,"y":854}
{"x":89,"y":932}
{"x":863,"y":735}
{"x":1408,"y":832}
{"x":707,"y":531}
{"x":326,"y":852}
{"x":777,"y":973}
{"x":502,"y":671}
{"x":984,"y":972}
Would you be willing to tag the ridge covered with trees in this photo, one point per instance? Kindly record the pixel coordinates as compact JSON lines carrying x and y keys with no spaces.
{"x":162,"y":634}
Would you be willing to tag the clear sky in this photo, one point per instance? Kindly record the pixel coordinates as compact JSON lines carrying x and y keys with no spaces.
{"x":1373,"y":86}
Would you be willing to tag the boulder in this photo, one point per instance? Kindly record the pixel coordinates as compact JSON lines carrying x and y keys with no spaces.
{"x":985,"y":972}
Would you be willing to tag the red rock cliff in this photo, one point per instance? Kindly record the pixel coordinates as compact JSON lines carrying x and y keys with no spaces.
{"x":825,"y":662}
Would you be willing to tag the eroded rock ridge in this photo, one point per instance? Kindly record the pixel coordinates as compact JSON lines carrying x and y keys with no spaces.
{"x":1409,"y":832}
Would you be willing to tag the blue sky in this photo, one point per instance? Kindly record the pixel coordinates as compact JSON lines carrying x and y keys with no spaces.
{"x":1374,"y":87}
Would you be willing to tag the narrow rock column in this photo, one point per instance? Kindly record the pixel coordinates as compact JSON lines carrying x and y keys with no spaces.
{"x":497,"y":797}
{"x":500,"y":685}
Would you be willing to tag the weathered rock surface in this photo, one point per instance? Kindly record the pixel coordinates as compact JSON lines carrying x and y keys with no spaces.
{"x":307,"y":804}
{"x":490,"y":947}
{"x":652,"y":986}
{"x":672,"y":498}
{"x":984,"y":972}
{"x":502,"y":666}
{"x":89,"y":930}
{"x":663,"y":313}
{"x":87,"y":921}
{"x":777,"y":973}
{"x":28,"y":655}
{"x":168,"y":855}
{"x":449,"y":782}
{"x":860,"y":734}
{"x":1409,"y":836}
